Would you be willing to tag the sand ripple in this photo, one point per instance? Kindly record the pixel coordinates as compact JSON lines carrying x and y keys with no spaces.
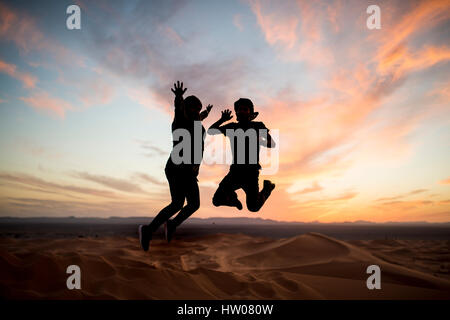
{"x":222,"y":266}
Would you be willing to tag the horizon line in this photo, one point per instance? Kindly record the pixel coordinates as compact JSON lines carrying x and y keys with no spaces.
{"x":249,"y":218}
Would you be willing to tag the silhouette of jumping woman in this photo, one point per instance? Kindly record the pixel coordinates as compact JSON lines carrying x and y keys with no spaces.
{"x":182,"y":177}
{"x":244,"y":171}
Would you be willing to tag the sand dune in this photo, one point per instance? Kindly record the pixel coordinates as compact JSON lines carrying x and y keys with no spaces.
{"x":221,"y":266}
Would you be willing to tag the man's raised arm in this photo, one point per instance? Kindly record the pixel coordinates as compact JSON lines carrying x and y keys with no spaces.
{"x":215,"y":127}
{"x":205,"y":113}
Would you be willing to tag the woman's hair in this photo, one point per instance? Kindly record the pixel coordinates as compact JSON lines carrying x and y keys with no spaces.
{"x":244,"y":102}
{"x":193,"y":101}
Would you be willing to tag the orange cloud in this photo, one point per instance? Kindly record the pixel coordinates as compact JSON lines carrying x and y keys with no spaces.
{"x":442,"y":92}
{"x":402,"y":195}
{"x":28,"y":80}
{"x":394,"y":55}
{"x":296,"y":29}
{"x":276,"y":28}
{"x":323,"y":123}
{"x":314,"y":188}
{"x":423,"y":16}
{"x":405,"y":205}
{"x":445,"y":181}
{"x":401,"y":61}
{"x":334,"y":133}
{"x":324,"y":206}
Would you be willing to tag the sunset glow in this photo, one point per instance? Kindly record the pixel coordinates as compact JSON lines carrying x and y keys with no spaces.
{"x":363,"y":115}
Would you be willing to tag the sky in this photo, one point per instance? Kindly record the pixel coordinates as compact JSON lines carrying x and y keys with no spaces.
{"x":361,"y":116}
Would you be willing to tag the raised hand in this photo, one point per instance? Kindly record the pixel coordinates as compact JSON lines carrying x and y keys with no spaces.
{"x":226,"y":115}
{"x":205,"y":113}
{"x":178,"y":89}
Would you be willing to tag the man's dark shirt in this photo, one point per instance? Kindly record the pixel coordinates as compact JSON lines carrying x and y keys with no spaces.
{"x":251,"y":157}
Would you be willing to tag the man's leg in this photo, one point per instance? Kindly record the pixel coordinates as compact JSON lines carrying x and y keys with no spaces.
{"x":226,"y":194}
{"x":256,"y":199}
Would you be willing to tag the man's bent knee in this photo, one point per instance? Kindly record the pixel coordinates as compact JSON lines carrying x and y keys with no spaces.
{"x":218,"y":197}
{"x":216,"y":200}
{"x":253,"y":207}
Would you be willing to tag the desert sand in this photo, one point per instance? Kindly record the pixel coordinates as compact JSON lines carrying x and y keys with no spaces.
{"x":224,"y":266}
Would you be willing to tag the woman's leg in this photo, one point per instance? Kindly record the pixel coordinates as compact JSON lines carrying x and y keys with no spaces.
{"x":192,"y":195}
{"x":177,"y":192}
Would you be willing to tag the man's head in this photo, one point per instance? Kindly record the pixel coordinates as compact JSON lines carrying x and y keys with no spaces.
{"x":192,"y":108}
{"x":244,"y":109}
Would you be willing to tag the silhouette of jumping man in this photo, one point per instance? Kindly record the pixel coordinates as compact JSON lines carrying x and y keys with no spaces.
{"x":182,"y":177}
{"x":244,"y":171}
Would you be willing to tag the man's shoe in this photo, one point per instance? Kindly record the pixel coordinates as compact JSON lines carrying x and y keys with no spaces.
{"x":238,"y":204}
{"x":268,"y":186}
{"x":145,"y":236}
{"x":169,"y":230}
{"x":230,"y":202}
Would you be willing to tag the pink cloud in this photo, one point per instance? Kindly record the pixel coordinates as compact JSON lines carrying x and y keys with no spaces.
{"x":172,"y":35}
{"x":276,"y":28}
{"x":237,"y":22}
{"x":150,"y":99}
{"x":334,"y":14}
{"x":28,"y":80}
{"x":19,"y":29}
{"x":43,"y":101}
{"x":332,"y":130}
{"x":23,"y":31}
{"x":93,"y":93}
{"x":295,"y":29}
{"x":441,"y":92}
{"x":423,"y":16}
{"x":37,"y":150}
{"x":402,"y":61}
